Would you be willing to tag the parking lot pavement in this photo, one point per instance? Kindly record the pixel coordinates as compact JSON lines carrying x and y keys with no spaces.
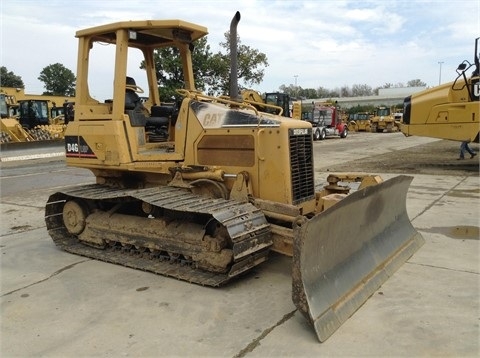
{"x":56,"y":304}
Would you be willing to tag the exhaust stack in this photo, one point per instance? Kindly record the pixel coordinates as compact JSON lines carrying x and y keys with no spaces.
{"x":234,"y":95}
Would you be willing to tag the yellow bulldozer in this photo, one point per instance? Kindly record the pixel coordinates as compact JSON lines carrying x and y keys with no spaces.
{"x":359,"y":122}
{"x":270,"y":102}
{"x":228,"y":186}
{"x":384,"y":120}
{"x":449,"y":111}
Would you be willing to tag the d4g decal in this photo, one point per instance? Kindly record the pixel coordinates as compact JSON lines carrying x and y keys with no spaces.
{"x":476,"y":90}
{"x":76,"y":147}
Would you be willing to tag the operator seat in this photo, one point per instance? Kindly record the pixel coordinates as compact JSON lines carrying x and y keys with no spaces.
{"x":133,"y":105}
{"x":132,"y":100}
{"x":162,"y":119}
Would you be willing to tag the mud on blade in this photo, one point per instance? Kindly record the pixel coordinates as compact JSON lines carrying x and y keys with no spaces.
{"x":342,"y":256}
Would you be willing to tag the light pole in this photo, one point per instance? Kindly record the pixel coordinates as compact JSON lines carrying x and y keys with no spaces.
{"x":440,"y":73}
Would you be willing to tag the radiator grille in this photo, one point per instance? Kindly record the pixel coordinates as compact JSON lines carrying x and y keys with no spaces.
{"x":301,"y":163}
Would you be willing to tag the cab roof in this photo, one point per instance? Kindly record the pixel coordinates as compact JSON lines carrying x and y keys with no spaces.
{"x":152,"y":33}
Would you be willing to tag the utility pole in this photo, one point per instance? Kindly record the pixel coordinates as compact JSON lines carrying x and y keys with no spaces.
{"x":296,"y":89}
{"x":440,"y":73}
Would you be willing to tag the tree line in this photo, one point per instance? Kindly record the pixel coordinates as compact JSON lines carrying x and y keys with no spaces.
{"x":58,"y":80}
{"x":212,"y":74}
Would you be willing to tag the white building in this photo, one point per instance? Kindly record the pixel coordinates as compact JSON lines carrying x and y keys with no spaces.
{"x":386,"y":96}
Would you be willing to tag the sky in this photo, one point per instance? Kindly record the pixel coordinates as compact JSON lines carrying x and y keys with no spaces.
{"x":311,"y":44}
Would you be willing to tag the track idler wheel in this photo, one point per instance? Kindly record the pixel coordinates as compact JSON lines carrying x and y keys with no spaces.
{"x":74,"y":217}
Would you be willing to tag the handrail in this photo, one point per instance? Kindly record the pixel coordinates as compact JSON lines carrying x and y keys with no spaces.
{"x":199,"y":96}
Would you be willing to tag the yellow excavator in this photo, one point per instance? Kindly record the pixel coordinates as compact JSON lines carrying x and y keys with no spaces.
{"x":228,"y":185}
{"x":449,"y":111}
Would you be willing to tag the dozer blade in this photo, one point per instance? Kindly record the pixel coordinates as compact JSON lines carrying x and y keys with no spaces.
{"x":343,"y":255}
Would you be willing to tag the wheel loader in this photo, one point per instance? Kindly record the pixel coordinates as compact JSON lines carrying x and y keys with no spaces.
{"x":227,"y":186}
{"x":10,"y":128}
{"x":449,"y":111}
{"x":29,"y":118}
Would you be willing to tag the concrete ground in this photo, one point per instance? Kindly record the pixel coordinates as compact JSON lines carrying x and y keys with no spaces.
{"x":54,"y":304}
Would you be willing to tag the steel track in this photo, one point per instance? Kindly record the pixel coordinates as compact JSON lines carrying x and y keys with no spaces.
{"x":246,"y":225}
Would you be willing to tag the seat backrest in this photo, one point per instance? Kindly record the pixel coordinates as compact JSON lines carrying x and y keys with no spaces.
{"x":162,"y":111}
{"x":132,"y":100}
{"x":137,"y":118}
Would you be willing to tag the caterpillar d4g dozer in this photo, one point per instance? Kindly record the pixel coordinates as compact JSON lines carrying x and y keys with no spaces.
{"x":360,"y":122}
{"x":383,"y":120}
{"x":222,"y":186}
{"x":449,"y":111}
